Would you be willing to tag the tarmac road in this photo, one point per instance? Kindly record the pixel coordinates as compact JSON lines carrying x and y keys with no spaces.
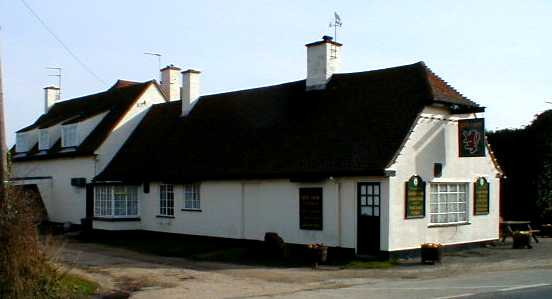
{"x":534,"y":283}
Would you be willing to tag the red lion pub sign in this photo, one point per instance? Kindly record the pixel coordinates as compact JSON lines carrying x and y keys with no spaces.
{"x":471,"y":137}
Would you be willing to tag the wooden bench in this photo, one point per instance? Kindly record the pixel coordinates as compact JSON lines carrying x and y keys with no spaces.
{"x":525,"y":224}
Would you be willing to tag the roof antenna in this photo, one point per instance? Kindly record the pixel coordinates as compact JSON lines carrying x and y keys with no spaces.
{"x":58,"y":69}
{"x":158,"y":61}
{"x":336,"y":23}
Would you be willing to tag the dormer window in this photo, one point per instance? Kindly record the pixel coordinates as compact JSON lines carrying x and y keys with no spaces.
{"x":43,"y":140}
{"x":21,"y":142}
{"x":69,"y":136}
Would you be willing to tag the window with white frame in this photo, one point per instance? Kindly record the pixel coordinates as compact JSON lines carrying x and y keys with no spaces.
{"x":20,"y":142}
{"x":448,"y":203}
{"x":191,"y":197}
{"x":116,"y":201}
{"x":69,"y":136}
{"x":166,"y":200}
{"x":43,"y":140}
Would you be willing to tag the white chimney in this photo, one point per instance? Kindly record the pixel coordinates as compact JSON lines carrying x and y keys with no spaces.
{"x":189,"y":92}
{"x":51,"y":96}
{"x":170,"y":78}
{"x":323,"y":60}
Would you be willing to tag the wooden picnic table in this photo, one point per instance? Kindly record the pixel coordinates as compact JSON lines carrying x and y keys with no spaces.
{"x":526,"y":225}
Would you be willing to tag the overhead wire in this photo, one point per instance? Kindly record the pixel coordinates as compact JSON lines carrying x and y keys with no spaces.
{"x":60,"y":41}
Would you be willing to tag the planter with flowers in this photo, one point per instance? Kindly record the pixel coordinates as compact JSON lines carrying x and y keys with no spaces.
{"x":431,"y":253}
{"x":522,"y":239}
{"x":317,"y":253}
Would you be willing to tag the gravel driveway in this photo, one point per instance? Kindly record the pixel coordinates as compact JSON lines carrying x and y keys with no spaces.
{"x":149,"y":276}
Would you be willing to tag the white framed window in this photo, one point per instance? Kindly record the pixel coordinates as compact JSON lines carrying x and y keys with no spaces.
{"x":20,"y":142}
{"x":191,"y":197}
{"x":43,"y":140}
{"x":69,"y":136}
{"x":448,"y":203}
{"x":116,"y":201}
{"x":166,"y":200}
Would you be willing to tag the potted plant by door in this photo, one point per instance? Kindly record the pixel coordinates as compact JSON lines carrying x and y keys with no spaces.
{"x":318,"y":253}
{"x":431,"y":253}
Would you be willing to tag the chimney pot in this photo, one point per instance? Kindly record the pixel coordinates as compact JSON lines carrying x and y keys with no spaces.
{"x":323,"y":60}
{"x":190,"y":90}
{"x":170,"y":80}
{"x":51,"y":96}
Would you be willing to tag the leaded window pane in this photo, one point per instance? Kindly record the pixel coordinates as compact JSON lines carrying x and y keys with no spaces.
{"x":448,"y":202}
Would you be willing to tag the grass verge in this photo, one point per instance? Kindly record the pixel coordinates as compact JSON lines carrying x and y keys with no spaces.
{"x":75,"y":286}
{"x":360,"y":264}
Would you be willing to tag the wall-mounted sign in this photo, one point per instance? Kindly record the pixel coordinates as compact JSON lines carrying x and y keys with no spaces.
{"x":310,"y":208}
{"x":471,"y":137}
{"x":481,"y":197}
{"x":414,"y":198}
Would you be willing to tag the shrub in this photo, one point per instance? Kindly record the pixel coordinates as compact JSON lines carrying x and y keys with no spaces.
{"x":25,"y":271}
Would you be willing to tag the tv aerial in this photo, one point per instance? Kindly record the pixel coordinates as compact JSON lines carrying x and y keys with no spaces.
{"x":336,"y":23}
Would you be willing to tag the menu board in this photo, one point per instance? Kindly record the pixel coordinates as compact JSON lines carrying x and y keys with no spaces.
{"x":310,"y":208}
{"x":471,"y":137}
{"x":481,"y":197}
{"x":414,"y":198}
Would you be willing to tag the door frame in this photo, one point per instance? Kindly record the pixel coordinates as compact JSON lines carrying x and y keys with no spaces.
{"x":358,"y":211}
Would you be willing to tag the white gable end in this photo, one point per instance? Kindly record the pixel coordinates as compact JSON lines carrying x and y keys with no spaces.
{"x":124,"y":128}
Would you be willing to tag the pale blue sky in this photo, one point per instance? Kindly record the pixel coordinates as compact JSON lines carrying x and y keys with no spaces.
{"x":497,"y":53}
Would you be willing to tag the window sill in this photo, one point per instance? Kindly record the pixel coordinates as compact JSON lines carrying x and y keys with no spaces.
{"x":114,"y":219}
{"x":190,"y":210}
{"x":448,"y":224}
{"x":68,"y":149}
{"x":164,"y":216}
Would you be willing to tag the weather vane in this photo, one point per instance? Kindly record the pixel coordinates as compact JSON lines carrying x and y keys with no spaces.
{"x":336,"y":23}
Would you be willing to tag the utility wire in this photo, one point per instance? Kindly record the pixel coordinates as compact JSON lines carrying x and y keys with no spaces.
{"x":82,"y":64}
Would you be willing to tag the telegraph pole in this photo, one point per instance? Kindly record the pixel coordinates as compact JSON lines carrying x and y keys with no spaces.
{"x":3,"y":151}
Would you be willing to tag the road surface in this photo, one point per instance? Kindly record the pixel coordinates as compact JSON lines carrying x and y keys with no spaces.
{"x":529,"y":283}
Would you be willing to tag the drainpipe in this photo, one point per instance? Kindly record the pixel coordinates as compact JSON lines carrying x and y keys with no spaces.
{"x":338,"y":191}
{"x":242,"y":210}
{"x":338,"y":214}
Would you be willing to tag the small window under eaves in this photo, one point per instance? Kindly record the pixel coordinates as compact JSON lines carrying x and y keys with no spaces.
{"x":43,"y":140}
{"x":69,"y":136}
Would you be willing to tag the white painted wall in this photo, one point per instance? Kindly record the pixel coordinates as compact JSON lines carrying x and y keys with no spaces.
{"x":436,"y":141}
{"x":122,"y":131}
{"x":249,"y":209}
{"x":63,"y":202}
{"x":123,"y":225}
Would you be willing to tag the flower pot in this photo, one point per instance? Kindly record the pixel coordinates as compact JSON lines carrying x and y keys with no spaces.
{"x":522,"y":239}
{"x":317,"y":253}
{"x":431,"y":253}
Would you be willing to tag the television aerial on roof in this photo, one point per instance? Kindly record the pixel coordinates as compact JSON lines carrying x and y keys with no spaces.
{"x":58,"y":75}
{"x":336,"y":23}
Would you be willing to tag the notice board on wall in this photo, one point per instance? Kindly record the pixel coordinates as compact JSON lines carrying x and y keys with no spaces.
{"x":414,"y":198}
{"x":310,"y":208}
{"x":481,"y":197}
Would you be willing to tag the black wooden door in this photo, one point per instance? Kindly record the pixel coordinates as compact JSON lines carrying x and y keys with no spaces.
{"x":368,"y":218}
